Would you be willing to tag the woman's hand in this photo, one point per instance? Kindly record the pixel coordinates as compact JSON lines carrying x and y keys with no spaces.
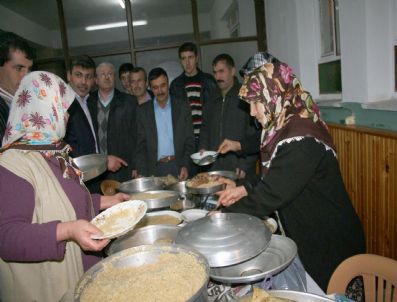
{"x":108,"y":201}
{"x":228,"y":182}
{"x":229,"y":145}
{"x":80,"y":231}
{"x":231,"y":195}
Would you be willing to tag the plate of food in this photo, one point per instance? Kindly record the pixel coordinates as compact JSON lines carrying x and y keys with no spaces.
{"x":119,"y":219}
{"x":160,"y":217}
{"x":203,"y":184}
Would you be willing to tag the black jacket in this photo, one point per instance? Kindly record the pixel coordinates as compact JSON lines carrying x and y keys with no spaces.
{"x":4,"y":112}
{"x":209,"y":89}
{"x":305,"y":186}
{"x":121,"y":131}
{"x":228,"y":119}
{"x":78,"y":132}
{"x":147,"y":136}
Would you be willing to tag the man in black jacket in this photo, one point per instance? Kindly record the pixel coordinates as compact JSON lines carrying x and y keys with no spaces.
{"x":16,"y":60}
{"x":80,"y":132}
{"x":114,"y":119}
{"x":227,"y":117}
{"x":193,"y":86}
{"x":165,"y":133}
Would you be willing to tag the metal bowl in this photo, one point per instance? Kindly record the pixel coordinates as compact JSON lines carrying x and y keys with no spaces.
{"x":299,"y":296}
{"x":141,"y":185}
{"x":179,"y":187}
{"x":227,"y":174}
{"x":156,"y":203}
{"x":206,"y":190}
{"x":140,"y":256}
{"x":109,"y":187}
{"x":226,"y":238}
{"x":91,"y":165}
{"x":280,"y":253}
{"x":151,"y":234}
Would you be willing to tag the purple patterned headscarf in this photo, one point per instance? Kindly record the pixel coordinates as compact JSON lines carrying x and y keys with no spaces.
{"x":37,"y":114}
{"x":289,"y":110}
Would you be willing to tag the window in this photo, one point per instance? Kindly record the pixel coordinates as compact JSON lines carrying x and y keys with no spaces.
{"x":329,"y":68}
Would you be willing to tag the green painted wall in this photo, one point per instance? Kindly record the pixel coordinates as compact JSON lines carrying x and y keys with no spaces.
{"x":381,"y":119}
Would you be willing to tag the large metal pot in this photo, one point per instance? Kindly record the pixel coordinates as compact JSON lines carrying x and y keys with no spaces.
{"x":141,"y":256}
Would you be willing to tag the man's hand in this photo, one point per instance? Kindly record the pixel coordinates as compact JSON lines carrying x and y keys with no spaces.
{"x":183,"y":174}
{"x":135,"y":174}
{"x":81,"y":231}
{"x":114,"y":163}
{"x":109,"y":201}
{"x":228,"y":146}
{"x":232,"y":195}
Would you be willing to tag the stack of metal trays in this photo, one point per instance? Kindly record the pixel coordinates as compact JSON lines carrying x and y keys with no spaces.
{"x":239,"y":248}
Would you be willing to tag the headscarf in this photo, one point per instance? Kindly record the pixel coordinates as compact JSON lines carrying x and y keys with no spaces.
{"x":37,"y":120}
{"x":37,"y":114}
{"x":289,"y":110}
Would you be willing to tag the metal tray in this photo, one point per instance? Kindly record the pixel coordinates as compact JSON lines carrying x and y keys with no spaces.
{"x":280,"y":253}
{"x":206,"y":191}
{"x":227,"y":174}
{"x":91,"y":165}
{"x":141,"y":185}
{"x":139,"y":256}
{"x":299,"y":296}
{"x":151,"y":234}
{"x":226,"y":238}
{"x":159,"y":203}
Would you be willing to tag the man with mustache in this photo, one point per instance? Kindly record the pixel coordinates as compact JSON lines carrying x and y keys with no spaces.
{"x":165,"y":132}
{"x":227,"y":117}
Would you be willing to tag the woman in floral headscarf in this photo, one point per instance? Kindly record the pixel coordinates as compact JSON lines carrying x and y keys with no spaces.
{"x":300,"y":180}
{"x":45,"y":243}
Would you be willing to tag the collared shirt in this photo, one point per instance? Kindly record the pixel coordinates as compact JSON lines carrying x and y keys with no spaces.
{"x":83,"y":105}
{"x":165,"y":134}
{"x":106,"y":102}
{"x":6,"y":96}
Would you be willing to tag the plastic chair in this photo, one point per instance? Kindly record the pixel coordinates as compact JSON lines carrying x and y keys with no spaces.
{"x":379,"y":277}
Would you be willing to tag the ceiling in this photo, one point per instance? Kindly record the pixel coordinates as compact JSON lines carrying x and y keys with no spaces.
{"x":80,"y":13}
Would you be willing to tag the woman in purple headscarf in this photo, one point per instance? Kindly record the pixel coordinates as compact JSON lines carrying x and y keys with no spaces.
{"x":45,"y":233}
{"x":301,"y":181}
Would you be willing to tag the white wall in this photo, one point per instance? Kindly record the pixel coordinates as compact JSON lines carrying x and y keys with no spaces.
{"x":368,"y":31}
{"x":10,"y":21}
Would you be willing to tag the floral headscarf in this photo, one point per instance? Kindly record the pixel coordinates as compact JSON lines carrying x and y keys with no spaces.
{"x":289,"y":110}
{"x":37,"y":114}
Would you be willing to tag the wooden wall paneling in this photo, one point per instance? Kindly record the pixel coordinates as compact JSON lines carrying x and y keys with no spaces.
{"x":368,"y":161}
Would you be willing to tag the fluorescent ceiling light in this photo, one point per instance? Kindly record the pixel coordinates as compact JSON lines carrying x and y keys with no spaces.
{"x":122,"y":4}
{"x":114,"y":25}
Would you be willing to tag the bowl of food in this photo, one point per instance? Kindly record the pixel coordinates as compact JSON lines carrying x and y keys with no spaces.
{"x":160,"y":218}
{"x":109,"y":187}
{"x":151,"y":234}
{"x":204,"y":184}
{"x":167,"y":272}
{"x":157,"y":199}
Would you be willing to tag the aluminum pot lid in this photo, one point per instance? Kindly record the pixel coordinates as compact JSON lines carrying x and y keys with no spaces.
{"x":226,"y":238}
